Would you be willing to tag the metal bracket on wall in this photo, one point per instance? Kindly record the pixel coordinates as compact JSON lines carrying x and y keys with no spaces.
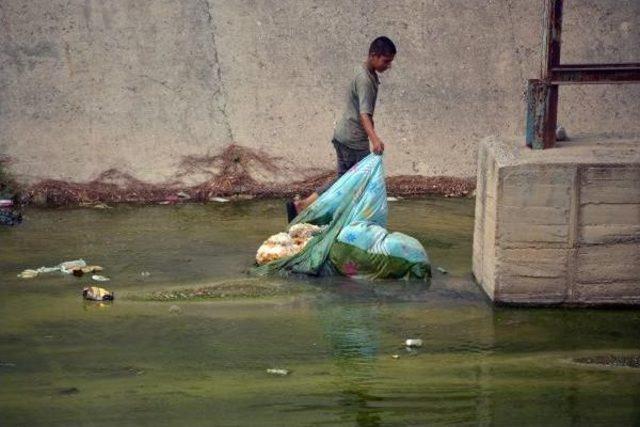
{"x":542,"y":94}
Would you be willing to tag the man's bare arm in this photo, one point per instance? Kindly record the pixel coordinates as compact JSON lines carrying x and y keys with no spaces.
{"x":376,"y":143}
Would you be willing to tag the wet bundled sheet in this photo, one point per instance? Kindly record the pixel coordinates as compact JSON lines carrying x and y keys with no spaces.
{"x":354,"y":240}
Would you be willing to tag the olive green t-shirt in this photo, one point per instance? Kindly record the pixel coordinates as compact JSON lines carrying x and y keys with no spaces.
{"x":361,"y":98}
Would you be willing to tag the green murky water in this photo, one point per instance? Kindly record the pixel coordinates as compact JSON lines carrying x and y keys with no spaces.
{"x":137,"y":362}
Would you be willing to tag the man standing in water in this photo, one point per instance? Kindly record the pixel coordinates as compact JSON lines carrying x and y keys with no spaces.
{"x":355,"y":130}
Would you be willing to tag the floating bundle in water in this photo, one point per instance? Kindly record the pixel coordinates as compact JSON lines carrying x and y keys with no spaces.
{"x":354,"y":240}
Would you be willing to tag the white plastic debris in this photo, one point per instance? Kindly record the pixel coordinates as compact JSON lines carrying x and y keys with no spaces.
{"x":413,"y":342}
{"x":219,"y":199}
{"x":442,"y":270}
{"x":280,"y":372}
{"x":392,"y":199}
{"x":44,"y":270}
{"x":28,"y":274}
{"x":68,"y":266}
{"x":395,"y":356}
{"x":145,"y":274}
{"x":5,"y":203}
{"x":183,"y":195}
{"x":561,"y":134}
{"x":99,"y":278}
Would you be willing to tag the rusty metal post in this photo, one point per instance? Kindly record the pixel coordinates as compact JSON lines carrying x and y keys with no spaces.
{"x":542,"y":96}
{"x":537,"y":112}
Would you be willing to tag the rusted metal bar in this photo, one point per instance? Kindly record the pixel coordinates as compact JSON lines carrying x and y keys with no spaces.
{"x":539,"y":101}
{"x":595,"y":73}
{"x":542,"y":94}
{"x":552,"y":31}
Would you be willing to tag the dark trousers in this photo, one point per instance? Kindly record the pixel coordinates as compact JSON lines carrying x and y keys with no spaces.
{"x":347,"y":157}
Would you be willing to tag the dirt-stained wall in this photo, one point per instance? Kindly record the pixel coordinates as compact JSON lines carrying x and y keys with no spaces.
{"x":136,"y":87}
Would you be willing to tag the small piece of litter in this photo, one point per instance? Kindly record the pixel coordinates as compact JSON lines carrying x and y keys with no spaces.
{"x":280,"y":372}
{"x":442,"y":270}
{"x":68,"y":266}
{"x":174,"y":309}
{"x":101,"y":206}
{"x":92,"y":269}
{"x":219,"y":199}
{"x":183,"y":195}
{"x":42,"y":270}
{"x":99,"y":278}
{"x":395,"y":356}
{"x":392,"y":199}
{"x":561,"y":134}
{"x":28,"y":274}
{"x":413,"y":342}
{"x":5,"y":203}
{"x":97,"y":294}
{"x":145,"y":274}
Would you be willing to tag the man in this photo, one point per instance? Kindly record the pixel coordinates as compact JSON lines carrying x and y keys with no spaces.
{"x":354,"y":136}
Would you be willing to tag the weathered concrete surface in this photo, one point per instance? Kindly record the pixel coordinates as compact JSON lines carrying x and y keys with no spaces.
{"x":560,"y":225}
{"x":89,"y":86}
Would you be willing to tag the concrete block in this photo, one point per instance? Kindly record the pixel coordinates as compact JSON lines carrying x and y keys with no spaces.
{"x":614,"y":262}
{"x":565,"y":227}
{"x":610,"y":184}
{"x":608,"y":293}
{"x":616,"y":233}
{"x":606,"y":213}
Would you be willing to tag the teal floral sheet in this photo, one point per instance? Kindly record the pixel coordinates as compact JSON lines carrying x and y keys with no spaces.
{"x":355,"y":241}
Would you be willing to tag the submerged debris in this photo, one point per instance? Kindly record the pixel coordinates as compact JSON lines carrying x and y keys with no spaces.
{"x":244,"y":288}
{"x":611,"y":360}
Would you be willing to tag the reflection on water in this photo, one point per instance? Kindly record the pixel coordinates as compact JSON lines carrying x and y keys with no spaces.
{"x":67,"y":362}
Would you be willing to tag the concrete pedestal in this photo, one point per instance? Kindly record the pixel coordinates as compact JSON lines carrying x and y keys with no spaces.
{"x":559,"y":226}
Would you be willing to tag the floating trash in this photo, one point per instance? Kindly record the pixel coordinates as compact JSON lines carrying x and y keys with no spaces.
{"x":278,"y":372}
{"x":94,"y":293}
{"x":395,"y":356}
{"x":413,"y":342}
{"x":28,"y":274}
{"x":99,"y":278}
{"x":145,"y":274}
{"x":218,"y":199}
{"x":69,"y":266}
{"x":442,"y":270}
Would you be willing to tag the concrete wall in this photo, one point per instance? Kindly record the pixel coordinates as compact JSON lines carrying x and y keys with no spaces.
{"x":88,"y":86}
{"x":561,"y":228}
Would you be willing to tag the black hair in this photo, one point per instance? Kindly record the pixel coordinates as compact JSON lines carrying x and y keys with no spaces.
{"x":382,"y":46}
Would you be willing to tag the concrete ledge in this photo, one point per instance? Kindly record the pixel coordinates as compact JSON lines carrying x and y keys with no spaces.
{"x":559,"y":226}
